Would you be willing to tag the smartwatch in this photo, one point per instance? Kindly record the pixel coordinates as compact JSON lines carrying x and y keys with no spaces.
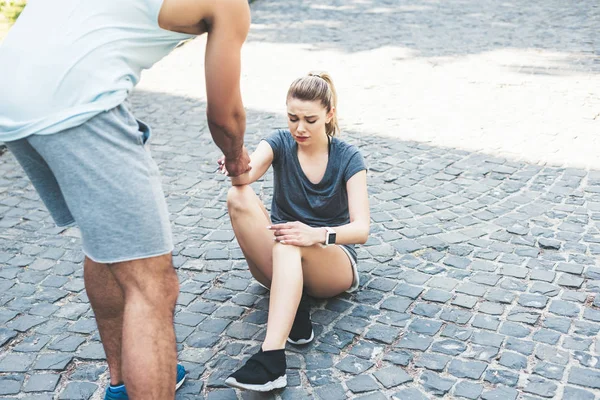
{"x":330,"y":237}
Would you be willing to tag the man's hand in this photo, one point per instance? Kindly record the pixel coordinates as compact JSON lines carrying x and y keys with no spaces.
{"x":297,"y":234}
{"x":236,"y":165}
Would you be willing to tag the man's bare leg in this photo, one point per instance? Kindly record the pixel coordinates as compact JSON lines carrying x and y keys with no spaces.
{"x":106,"y":298}
{"x":148,"y":352}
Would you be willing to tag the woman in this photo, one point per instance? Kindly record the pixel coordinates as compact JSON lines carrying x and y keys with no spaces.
{"x":320,"y":209}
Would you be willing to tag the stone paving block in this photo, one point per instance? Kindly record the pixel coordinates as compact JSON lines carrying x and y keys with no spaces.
{"x":466,"y":369}
{"x":549,"y":370}
{"x":353,"y":365}
{"x":16,"y":362}
{"x":409,"y":394}
{"x":468,"y":390}
{"x":551,"y":354}
{"x":569,"y":280}
{"x":576,"y":393}
{"x":465,"y":301}
{"x":513,"y":361}
{"x":392,"y":376}
{"x":435,"y":384}
{"x":78,"y":391}
{"x":10,"y":384}
{"x":362,"y":384}
{"x":437,"y":295}
{"x":41,"y":383}
{"x":540,"y":387}
{"x":501,"y":377}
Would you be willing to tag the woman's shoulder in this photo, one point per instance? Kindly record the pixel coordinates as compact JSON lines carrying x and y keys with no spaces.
{"x":344,"y":148}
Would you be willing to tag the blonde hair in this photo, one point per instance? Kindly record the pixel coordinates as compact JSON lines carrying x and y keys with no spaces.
{"x":317,"y":86}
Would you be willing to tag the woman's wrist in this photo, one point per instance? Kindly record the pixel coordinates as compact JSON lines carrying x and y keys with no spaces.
{"x":320,"y":235}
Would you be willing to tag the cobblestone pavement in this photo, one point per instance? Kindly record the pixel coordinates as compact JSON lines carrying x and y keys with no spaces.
{"x":481,"y":278}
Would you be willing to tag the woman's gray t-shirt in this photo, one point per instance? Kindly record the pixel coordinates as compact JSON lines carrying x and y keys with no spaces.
{"x":296,"y":198}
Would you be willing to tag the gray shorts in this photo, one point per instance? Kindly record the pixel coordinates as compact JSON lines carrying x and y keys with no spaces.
{"x":100,"y":176}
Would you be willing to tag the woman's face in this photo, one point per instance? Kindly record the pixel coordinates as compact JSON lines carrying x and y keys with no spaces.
{"x":306,"y":120}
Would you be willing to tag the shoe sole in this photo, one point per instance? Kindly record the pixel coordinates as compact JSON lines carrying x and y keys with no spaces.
{"x":178,"y":385}
{"x":278,"y":383}
{"x":302,"y":341}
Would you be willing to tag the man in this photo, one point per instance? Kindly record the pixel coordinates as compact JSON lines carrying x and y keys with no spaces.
{"x":68,"y":67}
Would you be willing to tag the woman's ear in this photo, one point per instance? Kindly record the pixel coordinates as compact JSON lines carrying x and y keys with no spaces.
{"x":330,"y":115}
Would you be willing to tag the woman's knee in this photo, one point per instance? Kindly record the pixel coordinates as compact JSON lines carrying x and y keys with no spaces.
{"x":239,"y":197}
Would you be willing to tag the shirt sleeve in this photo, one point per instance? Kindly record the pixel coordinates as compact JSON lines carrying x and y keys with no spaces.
{"x":356,"y":163}
{"x":276,"y":141}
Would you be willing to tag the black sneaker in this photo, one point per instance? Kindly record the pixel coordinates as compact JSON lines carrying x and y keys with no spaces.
{"x":302,"y":330}
{"x":263,"y":372}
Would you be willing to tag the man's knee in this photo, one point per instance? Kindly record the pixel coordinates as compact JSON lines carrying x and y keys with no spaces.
{"x":152,"y":280}
{"x":239,"y":197}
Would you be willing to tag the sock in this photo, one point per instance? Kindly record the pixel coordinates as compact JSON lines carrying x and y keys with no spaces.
{"x":119,"y":385}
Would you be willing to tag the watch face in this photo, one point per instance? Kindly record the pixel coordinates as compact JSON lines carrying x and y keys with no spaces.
{"x":331,"y":239}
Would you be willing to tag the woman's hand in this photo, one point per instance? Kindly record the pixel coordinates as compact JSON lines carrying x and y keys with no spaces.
{"x":297,"y":234}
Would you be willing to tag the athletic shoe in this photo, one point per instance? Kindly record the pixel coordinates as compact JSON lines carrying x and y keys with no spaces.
{"x":302,"y":330}
{"x":263,"y":372}
{"x":120,"y":393}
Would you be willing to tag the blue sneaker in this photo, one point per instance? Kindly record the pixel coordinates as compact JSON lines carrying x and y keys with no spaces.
{"x":120,"y":393}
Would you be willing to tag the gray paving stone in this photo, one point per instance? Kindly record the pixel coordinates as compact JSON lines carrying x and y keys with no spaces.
{"x":415,"y":341}
{"x":383,"y":333}
{"x":513,"y":361}
{"x":546,"y":336}
{"x":398,"y":357}
{"x":501,"y":393}
{"x":468,"y":390}
{"x":10,"y":384}
{"x":491,"y":308}
{"x":466,"y":369}
{"x":409,"y":394}
{"x":502,"y":377}
{"x":78,"y":391}
{"x":53,"y":361}
{"x":481,"y":353}
{"x":16,"y":362}
{"x":435,"y":384}
{"x":548,"y":370}
{"x":463,"y":300}
{"x":362,"y":384}
{"x":551,"y":354}
{"x":523,"y":315}
{"x":425,"y":326}
{"x":557,"y":323}
{"x":32,"y":344}
{"x":532,"y":300}
{"x":41,"y":383}
{"x":576,"y":393}
{"x":545,"y":289}
{"x":569,"y":280}
{"x":437,"y":295}
{"x":353,"y":365}
{"x":397,"y":304}
{"x":392,"y":376}
{"x":487,"y":338}
{"x":499,"y":296}
{"x":485,"y":322}
{"x":540,"y":387}
{"x":456,"y":315}
{"x":564,"y":308}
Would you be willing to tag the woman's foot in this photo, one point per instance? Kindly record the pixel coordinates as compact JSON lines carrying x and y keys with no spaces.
{"x":302,"y":330}
{"x":263,"y":372}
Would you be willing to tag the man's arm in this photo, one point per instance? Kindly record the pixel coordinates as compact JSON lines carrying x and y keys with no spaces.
{"x":227,"y":31}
